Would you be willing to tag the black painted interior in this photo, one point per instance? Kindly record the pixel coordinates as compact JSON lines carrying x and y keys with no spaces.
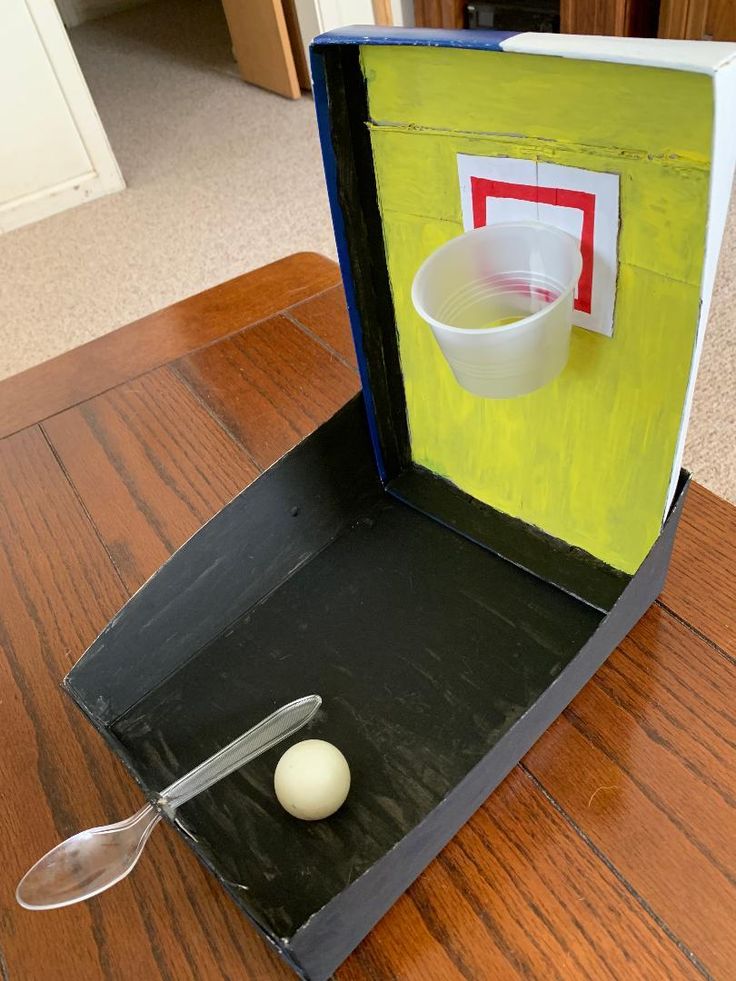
{"x":425,"y":647}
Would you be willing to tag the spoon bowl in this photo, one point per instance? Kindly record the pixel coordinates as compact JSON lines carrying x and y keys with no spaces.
{"x":86,"y":864}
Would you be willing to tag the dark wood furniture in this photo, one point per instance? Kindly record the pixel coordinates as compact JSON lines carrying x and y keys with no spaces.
{"x":439,"y":13}
{"x":633,"y":18}
{"x":610,"y":851}
{"x":623,"y":18}
{"x":709,"y":20}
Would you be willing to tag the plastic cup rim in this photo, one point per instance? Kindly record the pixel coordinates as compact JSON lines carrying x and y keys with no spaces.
{"x":507,"y":328}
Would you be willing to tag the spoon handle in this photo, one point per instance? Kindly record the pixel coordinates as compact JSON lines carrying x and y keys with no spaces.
{"x":282,"y":723}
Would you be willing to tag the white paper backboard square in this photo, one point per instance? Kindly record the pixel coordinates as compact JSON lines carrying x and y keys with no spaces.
{"x":584,"y":203}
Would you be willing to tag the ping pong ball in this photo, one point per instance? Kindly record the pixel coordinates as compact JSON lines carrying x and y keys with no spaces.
{"x":312,"y":780}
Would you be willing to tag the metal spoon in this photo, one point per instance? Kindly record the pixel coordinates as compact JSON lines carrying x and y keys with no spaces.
{"x":93,"y":860}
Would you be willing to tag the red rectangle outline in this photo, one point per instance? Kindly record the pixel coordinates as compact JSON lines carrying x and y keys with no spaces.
{"x":482,"y":188}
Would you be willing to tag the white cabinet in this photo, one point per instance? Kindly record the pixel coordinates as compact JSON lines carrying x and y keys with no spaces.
{"x":54,"y":153}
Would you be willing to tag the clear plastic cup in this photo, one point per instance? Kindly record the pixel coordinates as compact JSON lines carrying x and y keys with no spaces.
{"x":499,"y":302}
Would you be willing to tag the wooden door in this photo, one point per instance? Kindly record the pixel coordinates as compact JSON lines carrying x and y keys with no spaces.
{"x":261,"y":45}
{"x":711,"y":20}
{"x":619,"y":18}
{"x":633,"y":18}
{"x":439,"y":13}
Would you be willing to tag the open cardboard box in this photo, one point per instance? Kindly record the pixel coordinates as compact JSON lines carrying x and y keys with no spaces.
{"x":444,"y":631}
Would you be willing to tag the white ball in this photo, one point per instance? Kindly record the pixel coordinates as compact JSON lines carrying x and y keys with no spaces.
{"x":312,"y":780}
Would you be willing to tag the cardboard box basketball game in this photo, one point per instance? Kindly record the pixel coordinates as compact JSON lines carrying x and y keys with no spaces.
{"x":445,"y":569}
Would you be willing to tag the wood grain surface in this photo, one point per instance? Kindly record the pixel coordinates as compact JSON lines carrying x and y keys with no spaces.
{"x":609,"y":852}
{"x":159,"y":338}
{"x":58,"y":588}
{"x":625,"y":18}
{"x":271,"y":385}
{"x":326,"y":318}
{"x":643,"y":762}
{"x":135,"y":457}
{"x":700,"y":586}
{"x":710,"y":20}
{"x":439,"y":13}
{"x":516,"y":894}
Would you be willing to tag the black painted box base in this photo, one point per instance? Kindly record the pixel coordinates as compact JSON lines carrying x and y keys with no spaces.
{"x":439,"y":662}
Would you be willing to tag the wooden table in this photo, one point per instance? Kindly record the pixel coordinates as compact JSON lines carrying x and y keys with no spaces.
{"x":609,"y":852}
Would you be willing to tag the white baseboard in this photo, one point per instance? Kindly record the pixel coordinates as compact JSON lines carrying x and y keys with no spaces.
{"x":50,"y":201}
